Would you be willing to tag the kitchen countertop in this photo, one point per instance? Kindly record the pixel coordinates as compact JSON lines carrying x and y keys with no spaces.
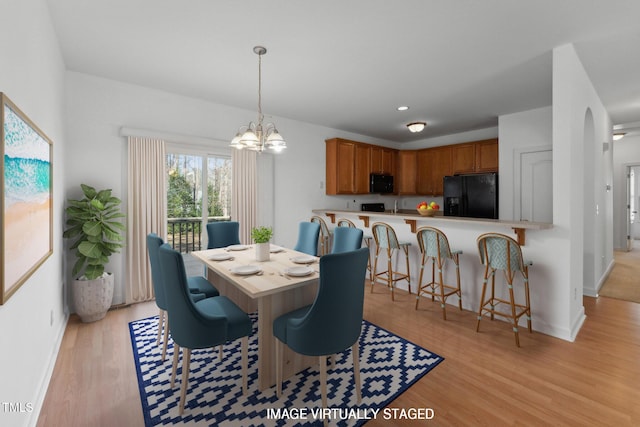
{"x":411,"y":216}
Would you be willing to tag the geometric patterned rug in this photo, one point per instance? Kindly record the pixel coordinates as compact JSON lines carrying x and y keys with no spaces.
{"x":388,"y":366}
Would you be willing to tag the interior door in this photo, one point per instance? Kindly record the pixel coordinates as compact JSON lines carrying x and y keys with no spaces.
{"x":536,"y":187}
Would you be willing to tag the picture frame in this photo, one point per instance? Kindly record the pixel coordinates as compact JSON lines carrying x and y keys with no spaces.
{"x":26,"y":198}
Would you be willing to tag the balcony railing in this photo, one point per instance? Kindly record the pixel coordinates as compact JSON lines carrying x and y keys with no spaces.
{"x":185,"y":234}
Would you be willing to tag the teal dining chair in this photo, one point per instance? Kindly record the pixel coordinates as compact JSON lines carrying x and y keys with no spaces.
{"x":199,"y":288}
{"x":308,"y":235}
{"x":221,"y":234}
{"x":346,"y":239}
{"x":195,"y":325}
{"x":332,"y":323}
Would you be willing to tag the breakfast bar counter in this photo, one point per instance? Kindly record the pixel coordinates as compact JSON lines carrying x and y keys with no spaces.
{"x":414,"y":219}
{"x":543,"y":247}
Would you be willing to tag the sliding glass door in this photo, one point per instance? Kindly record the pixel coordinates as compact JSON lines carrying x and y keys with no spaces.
{"x":198,"y":192}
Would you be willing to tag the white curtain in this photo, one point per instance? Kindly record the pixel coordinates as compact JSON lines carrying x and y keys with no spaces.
{"x":146,"y":212}
{"x":245,"y":192}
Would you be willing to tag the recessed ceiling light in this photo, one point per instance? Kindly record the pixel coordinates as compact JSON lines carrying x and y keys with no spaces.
{"x":403,"y":108}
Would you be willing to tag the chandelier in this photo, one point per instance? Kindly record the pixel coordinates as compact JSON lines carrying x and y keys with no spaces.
{"x":259,"y":136}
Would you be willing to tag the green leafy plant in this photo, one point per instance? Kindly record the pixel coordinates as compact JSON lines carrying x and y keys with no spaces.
{"x":93,"y":222}
{"x":261,"y":234}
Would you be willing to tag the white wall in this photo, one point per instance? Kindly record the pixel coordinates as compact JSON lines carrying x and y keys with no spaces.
{"x":626,"y":152}
{"x":577,"y":109}
{"x":32,"y":321}
{"x":97,"y":108}
{"x":527,"y":130}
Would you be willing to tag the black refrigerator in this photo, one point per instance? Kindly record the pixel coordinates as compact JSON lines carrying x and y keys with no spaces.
{"x":471,"y":196}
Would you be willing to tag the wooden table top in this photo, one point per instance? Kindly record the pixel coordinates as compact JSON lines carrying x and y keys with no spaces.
{"x":273,"y":278}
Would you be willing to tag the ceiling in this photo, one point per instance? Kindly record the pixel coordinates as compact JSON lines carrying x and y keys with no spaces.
{"x":458,"y":64}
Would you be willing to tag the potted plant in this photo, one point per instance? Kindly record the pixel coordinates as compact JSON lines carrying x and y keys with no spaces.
{"x":93,"y":222}
{"x":261,"y":236}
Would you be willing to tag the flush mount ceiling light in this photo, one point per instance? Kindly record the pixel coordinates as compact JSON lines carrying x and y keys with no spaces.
{"x":402,"y":108}
{"x":618,"y":135}
{"x":416,"y":126}
{"x":256,"y":136}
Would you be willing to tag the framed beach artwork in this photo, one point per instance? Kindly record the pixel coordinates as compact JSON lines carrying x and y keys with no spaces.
{"x":26,"y":237}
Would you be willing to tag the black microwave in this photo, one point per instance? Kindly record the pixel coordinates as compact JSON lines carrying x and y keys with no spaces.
{"x":380,"y":183}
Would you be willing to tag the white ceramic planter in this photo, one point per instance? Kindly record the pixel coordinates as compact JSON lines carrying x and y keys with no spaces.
{"x":92,"y":298}
{"x":262,"y":251}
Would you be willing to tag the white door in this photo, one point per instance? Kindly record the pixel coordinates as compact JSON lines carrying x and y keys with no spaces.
{"x":536,"y":187}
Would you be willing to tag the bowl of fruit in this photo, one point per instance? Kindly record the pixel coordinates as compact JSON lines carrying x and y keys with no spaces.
{"x":427,"y":209}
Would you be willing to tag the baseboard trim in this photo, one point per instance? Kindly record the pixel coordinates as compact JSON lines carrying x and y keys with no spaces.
{"x":46,"y":378}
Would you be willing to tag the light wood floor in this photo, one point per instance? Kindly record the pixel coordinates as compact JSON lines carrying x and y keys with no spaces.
{"x":484,"y":380}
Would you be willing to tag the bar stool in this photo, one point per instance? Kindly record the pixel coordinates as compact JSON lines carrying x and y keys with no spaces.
{"x":325,"y":235}
{"x":434,"y":246}
{"x":385,"y":238}
{"x":343,"y":222}
{"x":500,"y":252}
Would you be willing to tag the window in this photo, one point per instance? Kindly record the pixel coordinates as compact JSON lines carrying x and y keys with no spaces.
{"x":198,"y":192}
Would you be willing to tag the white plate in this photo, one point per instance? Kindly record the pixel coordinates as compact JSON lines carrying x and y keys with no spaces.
{"x":304,"y":259}
{"x":245,"y":270}
{"x":275,"y":249}
{"x":298,"y":271}
{"x":237,"y":247}
{"x":220,"y":257}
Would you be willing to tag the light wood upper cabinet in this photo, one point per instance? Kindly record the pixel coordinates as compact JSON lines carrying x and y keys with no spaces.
{"x":383,"y":160}
{"x":487,"y":155}
{"x":463,"y":157}
{"x":433,"y":164}
{"x":349,"y":164}
{"x":405,"y":178}
{"x":475,"y":157}
{"x":362,"y":168}
{"x":340,"y":168}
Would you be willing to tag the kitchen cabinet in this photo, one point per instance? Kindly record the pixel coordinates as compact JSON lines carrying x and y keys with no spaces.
{"x":340,"y":170}
{"x":463,"y":158}
{"x":487,"y":155}
{"x":433,"y":164}
{"x":475,"y":157}
{"x":383,"y":160}
{"x":349,"y":163}
{"x":362,"y":169}
{"x":407,"y":170}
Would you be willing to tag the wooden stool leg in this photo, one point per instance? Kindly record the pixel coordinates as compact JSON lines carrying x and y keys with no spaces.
{"x":406,"y":257}
{"x":390,"y":272}
{"x":442,"y":297}
{"x":456,"y":259}
{"x":514,"y":318}
{"x":420,"y":278}
{"x":482,"y":302}
{"x":375,"y":267}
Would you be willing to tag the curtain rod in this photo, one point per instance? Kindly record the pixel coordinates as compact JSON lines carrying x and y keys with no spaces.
{"x":171,"y":137}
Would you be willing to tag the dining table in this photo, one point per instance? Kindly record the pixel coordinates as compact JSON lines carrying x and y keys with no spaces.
{"x":288,"y":280}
